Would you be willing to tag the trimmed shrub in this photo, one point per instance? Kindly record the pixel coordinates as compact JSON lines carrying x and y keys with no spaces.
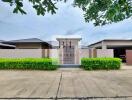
{"x":100,"y":63}
{"x":28,"y":63}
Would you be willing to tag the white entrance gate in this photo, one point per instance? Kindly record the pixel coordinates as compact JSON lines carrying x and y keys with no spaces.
{"x":68,"y":55}
{"x":68,"y":48}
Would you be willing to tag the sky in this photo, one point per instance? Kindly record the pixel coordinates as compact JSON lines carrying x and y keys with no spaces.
{"x":68,"y":20}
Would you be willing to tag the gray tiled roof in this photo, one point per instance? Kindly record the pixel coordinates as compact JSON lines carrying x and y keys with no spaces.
{"x":127,"y":40}
{"x":6,"y":45}
{"x":27,"y":40}
{"x":53,"y":43}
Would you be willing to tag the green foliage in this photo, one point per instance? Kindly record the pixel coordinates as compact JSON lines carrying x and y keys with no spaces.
{"x":102,"y":12}
{"x":100,"y":63}
{"x":29,"y":63}
{"x":41,"y":6}
{"x":18,"y":5}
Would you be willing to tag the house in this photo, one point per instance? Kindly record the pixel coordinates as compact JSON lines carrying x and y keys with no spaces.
{"x":31,"y":43}
{"x":67,"y":49}
{"x":6,"y":46}
{"x":118,"y":48}
{"x":69,"y":52}
{"x":23,"y":48}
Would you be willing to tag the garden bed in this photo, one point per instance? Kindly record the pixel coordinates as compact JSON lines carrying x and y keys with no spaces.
{"x":28,"y":63}
{"x":100,"y":63}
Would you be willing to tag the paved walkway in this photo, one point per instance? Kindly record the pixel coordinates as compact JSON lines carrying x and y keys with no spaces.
{"x":126,"y":67}
{"x":66,"y":84}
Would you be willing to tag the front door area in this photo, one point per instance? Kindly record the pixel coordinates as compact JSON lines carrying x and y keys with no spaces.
{"x":68,"y":50}
{"x":68,"y":55}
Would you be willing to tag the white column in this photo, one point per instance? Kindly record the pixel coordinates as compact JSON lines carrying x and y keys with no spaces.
{"x":91,"y":52}
{"x":61,"y":54}
{"x":104,"y":47}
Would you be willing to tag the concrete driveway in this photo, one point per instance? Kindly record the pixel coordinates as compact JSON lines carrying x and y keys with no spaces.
{"x":66,"y":84}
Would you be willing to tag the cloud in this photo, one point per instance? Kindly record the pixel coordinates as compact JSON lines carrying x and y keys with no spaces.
{"x":67,"y":21}
{"x":74,"y":31}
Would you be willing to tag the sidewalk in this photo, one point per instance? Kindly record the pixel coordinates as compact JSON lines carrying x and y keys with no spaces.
{"x":126,"y":67}
{"x":67,"y":83}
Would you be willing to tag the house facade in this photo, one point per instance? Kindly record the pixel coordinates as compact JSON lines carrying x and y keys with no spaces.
{"x":117,"y":48}
{"x":6,"y":46}
{"x":31,"y":43}
{"x":68,"y":50}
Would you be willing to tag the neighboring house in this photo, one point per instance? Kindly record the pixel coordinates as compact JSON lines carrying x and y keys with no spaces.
{"x":67,"y":50}
{"x":118,"y":48}
{"x":6,"y":46}
{"x":31,"y":43}
{"x":32,"y":47}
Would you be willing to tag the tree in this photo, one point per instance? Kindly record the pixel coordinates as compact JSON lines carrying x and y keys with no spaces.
{"x":105,"y":11}
{"x":101,"y":12}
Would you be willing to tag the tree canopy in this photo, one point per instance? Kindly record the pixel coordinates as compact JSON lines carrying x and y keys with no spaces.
{"x":100,"y":12}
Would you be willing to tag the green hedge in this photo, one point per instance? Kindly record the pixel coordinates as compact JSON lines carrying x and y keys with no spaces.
{"x":29,"y":63}
{"x":100,"y":63}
